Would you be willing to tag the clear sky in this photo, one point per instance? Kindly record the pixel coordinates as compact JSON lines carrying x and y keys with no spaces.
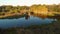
{"x":27,"y":2}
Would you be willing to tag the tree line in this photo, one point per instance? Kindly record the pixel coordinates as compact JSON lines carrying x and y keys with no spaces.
{"x":17,"y":9}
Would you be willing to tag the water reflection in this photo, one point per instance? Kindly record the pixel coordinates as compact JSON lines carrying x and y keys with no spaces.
{"x":26,"y":20}
{"x":27,"y":16}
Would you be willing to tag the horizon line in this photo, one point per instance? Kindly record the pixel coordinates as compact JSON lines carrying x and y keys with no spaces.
{"x":29,"y":5}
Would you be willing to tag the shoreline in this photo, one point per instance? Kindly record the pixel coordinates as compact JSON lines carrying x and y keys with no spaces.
{"x":21,"y":14}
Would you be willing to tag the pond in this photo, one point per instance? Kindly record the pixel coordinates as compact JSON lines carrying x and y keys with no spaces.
{"x":25,"y":21}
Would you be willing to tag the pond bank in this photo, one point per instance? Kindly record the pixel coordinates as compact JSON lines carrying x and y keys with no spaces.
{"x":11,"y":16}
{"x":43,"y":15}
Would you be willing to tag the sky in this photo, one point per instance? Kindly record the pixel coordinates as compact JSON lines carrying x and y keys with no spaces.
{"x":27,"y":2}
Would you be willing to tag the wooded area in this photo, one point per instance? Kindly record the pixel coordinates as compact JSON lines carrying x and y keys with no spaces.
{"x":44,"y":9}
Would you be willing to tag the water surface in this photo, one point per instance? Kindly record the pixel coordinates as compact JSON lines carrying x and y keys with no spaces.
{"x":23,"y":22}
